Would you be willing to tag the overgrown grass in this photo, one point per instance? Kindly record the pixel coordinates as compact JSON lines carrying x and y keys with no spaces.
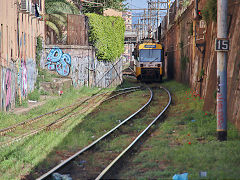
{"x":69,"y":97}
{"x":35,"y":95}
{"x":40,"y":151}
{"x":186,"y":142}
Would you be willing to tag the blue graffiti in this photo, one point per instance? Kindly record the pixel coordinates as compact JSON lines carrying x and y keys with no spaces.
{"x":57,"y":60}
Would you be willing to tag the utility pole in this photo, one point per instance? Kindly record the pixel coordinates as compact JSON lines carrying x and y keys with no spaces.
{"x":151,"y":16}
{"x":168,"y":8}
{"x":222,"y":46}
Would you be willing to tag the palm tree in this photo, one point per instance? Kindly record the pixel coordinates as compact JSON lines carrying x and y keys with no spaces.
{"x":56,"y":16}
{"x":97,"y":8}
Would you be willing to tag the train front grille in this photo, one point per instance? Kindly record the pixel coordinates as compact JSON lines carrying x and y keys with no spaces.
{"x":150,"y":73}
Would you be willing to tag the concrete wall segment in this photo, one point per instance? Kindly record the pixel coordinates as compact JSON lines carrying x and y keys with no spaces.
{"x":86,"y":70}
{"x":19,"y":32}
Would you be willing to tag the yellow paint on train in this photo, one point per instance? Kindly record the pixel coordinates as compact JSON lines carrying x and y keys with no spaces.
{"x":150,"y":46}
{"x":138,"y":71}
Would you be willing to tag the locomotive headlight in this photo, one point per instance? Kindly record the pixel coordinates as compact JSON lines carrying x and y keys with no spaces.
{"x":159,"y":65}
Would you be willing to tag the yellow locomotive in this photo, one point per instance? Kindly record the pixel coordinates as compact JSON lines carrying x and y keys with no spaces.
{"x":149,"y":61}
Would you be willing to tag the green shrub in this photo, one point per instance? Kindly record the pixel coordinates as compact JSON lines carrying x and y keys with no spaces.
{"x":23,"y":103}
{"x":42,"y":92}
{"x":35,"y":95}
{"x":107,"y":35}
{"x":209,"y":12}
{"x":184,"y":61}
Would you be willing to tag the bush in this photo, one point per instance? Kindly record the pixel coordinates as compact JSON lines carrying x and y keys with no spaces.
{"x":23,"y":103}
{"x":209,"y":12}
{"x":107,"y":35}
{"x":34,"y":96}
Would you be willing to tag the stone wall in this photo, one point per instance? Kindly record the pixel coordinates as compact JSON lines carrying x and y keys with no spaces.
{"x":197,"y":66}
{"x":80,"y":64}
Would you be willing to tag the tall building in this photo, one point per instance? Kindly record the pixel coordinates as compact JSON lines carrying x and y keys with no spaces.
{"x":130,"y":36}
{"x":20,"y":25}
{"x":127,"y":16}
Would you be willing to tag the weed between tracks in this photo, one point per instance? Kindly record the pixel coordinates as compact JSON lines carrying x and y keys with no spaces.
{"x":36,"y":154}
{"x":19,"y":159}
{"x":185,"y":142}
{"x":98,"y":122}
{"x":96,"y":159}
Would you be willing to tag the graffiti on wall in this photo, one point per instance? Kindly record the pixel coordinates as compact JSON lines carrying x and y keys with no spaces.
{"x":80,"y":71}
{"x":59,"y":61}
{"x":31,"y":74}
{"x":89,"y":71}
{"x":22,"y":78}
{"x":8,"y":89}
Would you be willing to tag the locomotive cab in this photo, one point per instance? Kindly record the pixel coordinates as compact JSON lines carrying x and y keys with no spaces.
{"x":149,"y":62}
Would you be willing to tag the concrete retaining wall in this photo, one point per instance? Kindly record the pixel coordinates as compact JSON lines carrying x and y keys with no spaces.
{"x":200,"y":70}
{"x":82,"y":66}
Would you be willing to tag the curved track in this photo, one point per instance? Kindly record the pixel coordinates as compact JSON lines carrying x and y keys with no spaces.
{"x":107,"y":168}
{"x":72,"y":110}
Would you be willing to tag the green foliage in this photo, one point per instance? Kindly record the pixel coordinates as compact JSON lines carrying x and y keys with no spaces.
{"x":185,"y":142}
{"x":56,"y":15}
{"x":91,"y":8}
{"x":184,"y":61}
{"x":34,"y":96}
{"x":202,"y":73}
{"x":60,"y":6}
{"x":24,"y":103}
{"x":42,"y":92}
{"x":190,"y":32}
{"x":107,"y":35}
{"x":38,"y":51}
{"x":209,"y":12}
{"x":44,"y":76}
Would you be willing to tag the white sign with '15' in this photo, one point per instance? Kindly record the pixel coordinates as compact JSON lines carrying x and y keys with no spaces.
{"x":221,"y":44}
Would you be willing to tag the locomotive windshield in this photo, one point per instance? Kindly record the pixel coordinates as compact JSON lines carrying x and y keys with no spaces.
{"x":148,"y":55}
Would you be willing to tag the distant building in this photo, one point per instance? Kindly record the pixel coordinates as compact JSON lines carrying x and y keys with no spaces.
{"x":129,"y":36}
{"x":112,"y":12}
{"x":20,"y":25}
{"x":127,"y":16}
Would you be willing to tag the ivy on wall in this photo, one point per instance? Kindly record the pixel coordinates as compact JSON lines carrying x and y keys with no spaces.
{"x":106,"y":33}
{"x":210,"y":11}
{"x":39,"y":49}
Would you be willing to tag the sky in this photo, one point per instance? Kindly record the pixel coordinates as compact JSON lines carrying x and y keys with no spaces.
{"x":133,"y":4}
{"x":137,"y":3}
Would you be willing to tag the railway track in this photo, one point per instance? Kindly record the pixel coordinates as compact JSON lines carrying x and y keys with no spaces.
{"x":95,"y":160}
{"x":50,"y":120}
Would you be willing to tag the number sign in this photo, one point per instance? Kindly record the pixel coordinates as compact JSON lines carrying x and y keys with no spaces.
{"x":222,"y":45}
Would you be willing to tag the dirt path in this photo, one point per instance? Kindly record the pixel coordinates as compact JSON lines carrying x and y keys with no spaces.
{"x":33,"y":104}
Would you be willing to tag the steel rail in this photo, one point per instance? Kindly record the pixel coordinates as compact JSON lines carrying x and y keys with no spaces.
{"x":96,"y":141}
{"x":11,"y":128}
{"x":38,"y":130}
{"x":121,"y":94}
{"x":62,"y":119}
{"x":135,"y":140}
